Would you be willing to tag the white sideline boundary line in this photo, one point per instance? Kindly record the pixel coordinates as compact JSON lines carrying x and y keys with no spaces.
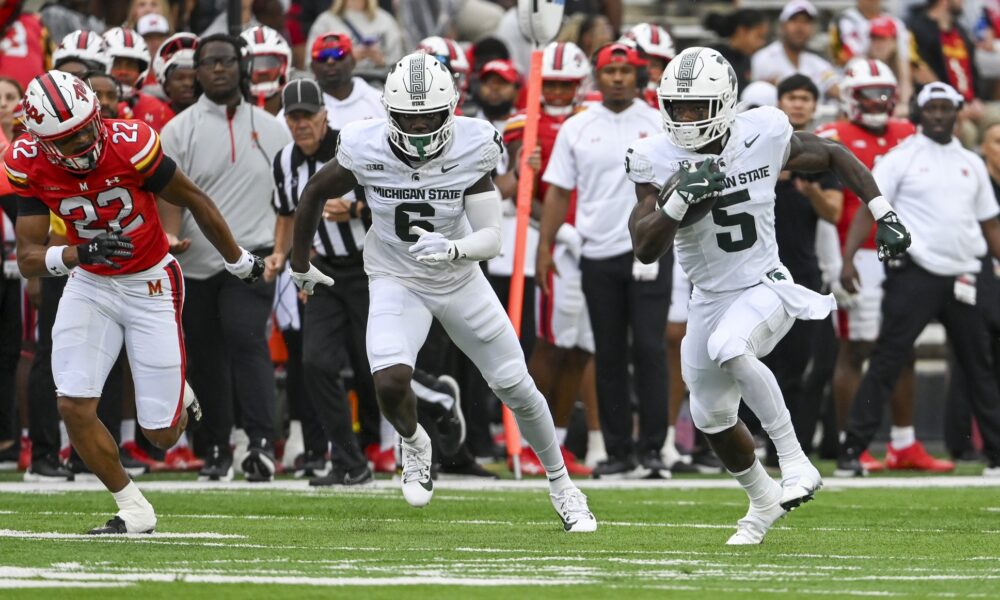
{"x":384,"y":486}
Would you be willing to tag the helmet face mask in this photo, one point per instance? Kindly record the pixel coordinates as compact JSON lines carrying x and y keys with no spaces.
{"x":697,"y":75}
{"x":77,"y":150}
{"x":63,"y":115}
{"x":420,"y":85}
{"x":563,"y":63}
{"x":869,"y":89}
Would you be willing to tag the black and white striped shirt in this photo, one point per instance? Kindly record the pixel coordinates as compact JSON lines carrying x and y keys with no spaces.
{"x":292,"y":169}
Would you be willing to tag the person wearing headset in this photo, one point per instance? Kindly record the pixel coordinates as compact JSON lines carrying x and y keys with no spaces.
{"x":226,"y":145}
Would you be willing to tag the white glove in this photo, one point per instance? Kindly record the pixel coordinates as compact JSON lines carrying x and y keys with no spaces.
{"x":845,"y":300}
{"x":432,"y":247}
{"x":570,"y":237}
{"x":307,"y":281}
{"x":248,"y":267}
{"x":643,"y":272}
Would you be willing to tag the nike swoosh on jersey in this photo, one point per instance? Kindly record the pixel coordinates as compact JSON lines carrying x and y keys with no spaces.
{"x":749,"y":143}
{"x":445,"y":169}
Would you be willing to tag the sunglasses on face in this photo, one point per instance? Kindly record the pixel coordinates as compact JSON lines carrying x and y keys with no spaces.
{"x":331,"y":50}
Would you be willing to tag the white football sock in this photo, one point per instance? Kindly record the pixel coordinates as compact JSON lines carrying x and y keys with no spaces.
{"x":128,"y":430}
{"x":387,"y":434}
{"x":419,"y":437}
{"x":760,"y":488}
{"x":902,"y":437}
{"x":24,"y":433}
{"x":760,"y":391}
{"x":559,"y":481}
{"x":63,"y":435}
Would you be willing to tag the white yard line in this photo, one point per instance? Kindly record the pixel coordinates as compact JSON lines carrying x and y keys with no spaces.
{"x":12,"y":533}
{"x":14,"y":584}
{"x":387,"y":488}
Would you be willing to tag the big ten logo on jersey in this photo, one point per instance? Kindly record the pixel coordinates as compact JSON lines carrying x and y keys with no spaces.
{"x":375,"y":167}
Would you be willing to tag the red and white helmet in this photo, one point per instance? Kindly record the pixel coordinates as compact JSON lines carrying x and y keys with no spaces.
{"x":85,"y":46}
{"x":271,"y":58}
{"x":563,"y":61}
{"x":176,"y":51}
{"x":60,"y":110}
{"x":869,"y":92}
{"x":653,"y":40}
{"x":126,"y":43}
{"x":450,"y":54}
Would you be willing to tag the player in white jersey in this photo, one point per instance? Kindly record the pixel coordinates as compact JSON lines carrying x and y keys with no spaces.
{"x":744,"y":301}
{"x":427,"y":176}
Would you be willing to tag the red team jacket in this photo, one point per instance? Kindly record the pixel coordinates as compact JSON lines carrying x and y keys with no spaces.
{"x":867,"y":146}
{"x":120,"y":194}
{"x":150,"y":109}
{"x":548,"y":128}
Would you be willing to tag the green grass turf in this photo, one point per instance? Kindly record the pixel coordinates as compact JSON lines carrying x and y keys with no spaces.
{"x":652,"y":543}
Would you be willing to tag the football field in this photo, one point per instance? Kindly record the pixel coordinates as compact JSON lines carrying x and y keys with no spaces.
{"x":905,"y":537}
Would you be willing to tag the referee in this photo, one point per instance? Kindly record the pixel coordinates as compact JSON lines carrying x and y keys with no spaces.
{"x":626,"y":297}
{"x":334,"y":319}
{"x":944,"y":193}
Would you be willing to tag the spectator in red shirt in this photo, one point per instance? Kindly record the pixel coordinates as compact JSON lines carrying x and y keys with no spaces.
{"x":25,"y":48}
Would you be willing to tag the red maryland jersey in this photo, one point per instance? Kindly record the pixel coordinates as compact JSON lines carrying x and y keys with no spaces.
{"x":548,"y":128}
{"x":120,"y":194}
{"x":867,"y":146}
{"x":150,"y":109}
{"x":25,"y":50}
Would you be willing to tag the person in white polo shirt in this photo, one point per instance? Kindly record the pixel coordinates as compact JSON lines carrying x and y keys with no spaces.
{"x":625,"y":295}
{"x":943,"y":192}
{"x":789,"y":55}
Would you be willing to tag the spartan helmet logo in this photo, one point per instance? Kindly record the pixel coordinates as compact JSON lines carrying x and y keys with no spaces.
{"x":417,"y":84}
{"x":687,"y":71}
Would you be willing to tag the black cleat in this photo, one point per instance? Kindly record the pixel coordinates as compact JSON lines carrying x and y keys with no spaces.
{"x":338,"y":476}
{"x":310,"y":464}
{"x":706,"y":462}
{"x":653,"y":464}
{"x":115,"y":526}
{"x":451,"y":425}
{"x":218,"y":466}
{"x":615,"y":468}
{"x":259,"y":464}
{"x":47,"y":469}
{"x":849,"y":464}
{"x":133,"y":467}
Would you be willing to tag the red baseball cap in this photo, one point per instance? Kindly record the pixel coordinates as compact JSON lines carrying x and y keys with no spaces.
{"x":330,"y":45}
{"x":617,"y":52}
{"x":883,"y":27}
{"x":502,"y":67}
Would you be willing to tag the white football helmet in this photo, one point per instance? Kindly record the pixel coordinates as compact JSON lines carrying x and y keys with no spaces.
{"x":59,"y":109}
{"x":869,"y":92}
{"x":126,"y":43}
{"x":85,"y":46}
{"x":271,"y":58}
{"x":653,"y":40}
{"x":450,"y":54}
{"x":176,"y":51}
{"x":698,"y":74}
{"x":419,"y":84}
{"x":564,"y":61}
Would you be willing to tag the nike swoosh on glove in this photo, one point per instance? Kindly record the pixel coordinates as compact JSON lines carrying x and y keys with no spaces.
{"x":307,"y":281}
{"x":891,"y":237}
{"x":432,"y":247}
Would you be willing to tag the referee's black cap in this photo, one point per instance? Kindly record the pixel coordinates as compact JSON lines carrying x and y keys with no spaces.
{"x":302,"y":94}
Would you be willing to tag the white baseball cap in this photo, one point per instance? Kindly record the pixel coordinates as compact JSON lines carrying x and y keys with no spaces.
{"x":939,"y":91}
{"x":152,"y":23}
{"x":760,"y":93}
{"x":798,"y":6}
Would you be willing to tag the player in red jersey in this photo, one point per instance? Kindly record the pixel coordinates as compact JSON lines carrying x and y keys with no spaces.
{"x":102,"y":177}
{"x":565,"y":341}
{"x":869,"y":88}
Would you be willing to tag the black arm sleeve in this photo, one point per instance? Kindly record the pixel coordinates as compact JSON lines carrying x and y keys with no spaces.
{"x":28,"y":207}
{"x":161,"y":176}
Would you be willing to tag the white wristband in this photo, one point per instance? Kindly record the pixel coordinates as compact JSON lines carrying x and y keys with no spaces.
{"x":54,"y":261}
{"x":879,"y":207}
{"x":674,"y":207}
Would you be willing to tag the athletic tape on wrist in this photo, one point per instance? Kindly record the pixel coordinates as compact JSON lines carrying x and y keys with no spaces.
{"x":879,"y":207}
{"x":674,"y":207}
{"x":54,"y":261}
